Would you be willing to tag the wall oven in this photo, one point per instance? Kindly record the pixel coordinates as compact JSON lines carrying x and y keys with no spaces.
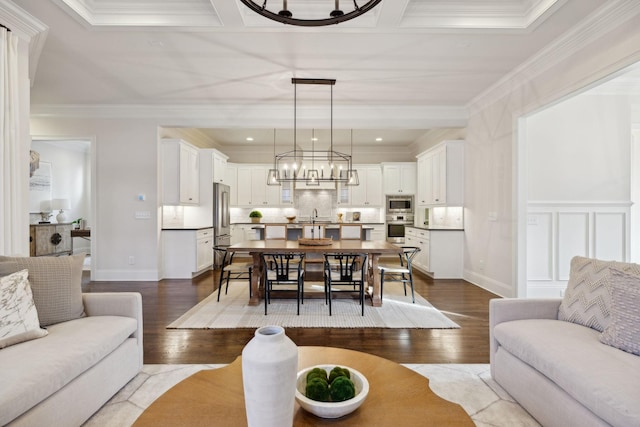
{"x":399,"y":205}
{"x":395,"y":225}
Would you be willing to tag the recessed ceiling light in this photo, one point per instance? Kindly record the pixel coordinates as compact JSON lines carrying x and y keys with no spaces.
{"x":378,"y":139}
{"x":314,"y":139}
{"x":249,"y":138}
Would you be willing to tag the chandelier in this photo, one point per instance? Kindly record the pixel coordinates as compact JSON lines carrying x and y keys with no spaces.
{"x":299,"y":165}
{"x":334,"y":16}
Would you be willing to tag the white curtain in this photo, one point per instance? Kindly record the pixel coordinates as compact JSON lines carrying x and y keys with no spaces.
{"x":11,"y":211}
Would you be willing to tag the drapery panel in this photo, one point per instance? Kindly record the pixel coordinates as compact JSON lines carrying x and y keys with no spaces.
{"x":10,"y":200}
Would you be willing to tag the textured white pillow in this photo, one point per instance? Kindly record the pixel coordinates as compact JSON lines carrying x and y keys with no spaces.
{"x":623,"y":331}
{"x":18,"y":316}
{"x":56,"y":283}
{"x":587,"y":299}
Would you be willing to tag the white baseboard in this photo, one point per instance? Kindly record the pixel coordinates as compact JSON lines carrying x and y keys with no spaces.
{"x":126,"y":275}
{"x":491,"y":285}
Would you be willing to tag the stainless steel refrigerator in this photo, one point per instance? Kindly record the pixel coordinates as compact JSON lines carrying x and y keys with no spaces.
{"x":221,"y":217}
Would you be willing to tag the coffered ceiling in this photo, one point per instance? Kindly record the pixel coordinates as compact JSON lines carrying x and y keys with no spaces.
{"x":407,"y":64}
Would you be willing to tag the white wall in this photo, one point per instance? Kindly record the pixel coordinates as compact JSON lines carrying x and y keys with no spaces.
{"x":578,"y":150}
{"x":495,"y":164}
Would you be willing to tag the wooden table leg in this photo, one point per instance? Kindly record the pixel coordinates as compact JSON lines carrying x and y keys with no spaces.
{"x":376,"y":300}
{"x":255,"y":279}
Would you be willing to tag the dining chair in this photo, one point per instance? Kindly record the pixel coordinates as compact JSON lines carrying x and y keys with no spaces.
{"x":350,"y":231}
{"x":275,"y":232}
{"x":232,"y":270}
{"x":400,"y":273}
{"x":283,"y":269}
{"x":313,"y":231}
{"x":344,"y":273}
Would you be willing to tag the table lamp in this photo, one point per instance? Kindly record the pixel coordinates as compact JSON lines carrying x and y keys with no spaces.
{"x":62,"y":204}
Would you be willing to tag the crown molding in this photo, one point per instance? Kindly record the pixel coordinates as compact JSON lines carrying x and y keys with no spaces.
{"x":599,"y":23}
{"x":133,"y":13}
{"x":480,"y":15}
{"x":266,"y":116}
{"x":27,"y":28}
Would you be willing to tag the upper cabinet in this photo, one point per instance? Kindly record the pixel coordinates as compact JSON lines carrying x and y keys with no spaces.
{"x":219,"y":161}
{"x":369,"y":192}
{"x":253,"y":189}
{"x":399,"y":178}
{"x":180,"y":169}
{"x":441,"y":175}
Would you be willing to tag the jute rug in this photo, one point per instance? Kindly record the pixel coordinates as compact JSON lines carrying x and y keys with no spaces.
{"x":233,"y":311}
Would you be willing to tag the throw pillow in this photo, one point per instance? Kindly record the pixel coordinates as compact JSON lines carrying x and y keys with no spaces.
{"x":18,"y":316}
{"x":8,"y":267}
{"x":587,"y":299}
{"x":56,"y":285}
{"x":623,"y":331}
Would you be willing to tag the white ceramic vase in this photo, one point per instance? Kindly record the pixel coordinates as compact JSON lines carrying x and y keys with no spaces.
{"x":269,"y":371}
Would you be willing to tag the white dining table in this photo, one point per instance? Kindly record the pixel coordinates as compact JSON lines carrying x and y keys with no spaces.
{"x":373,"y":248}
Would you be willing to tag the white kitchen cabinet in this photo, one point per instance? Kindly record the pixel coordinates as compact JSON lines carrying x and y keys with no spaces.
{"x":377,"y":233}
{"x":231,"y":179}
{"x":242,"y":232}
{"x":186,"y":253}
{"x":441,"y":251}
{"x":369,"y":192}
{"x":399,"y":178}
{"x":219,"y":167}
{"x":441,"y":175}
{"x":180,"y":171}
{"x":253,"y":190}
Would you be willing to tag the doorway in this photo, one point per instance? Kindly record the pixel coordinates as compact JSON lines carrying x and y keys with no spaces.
{"x":69,"y":166}
{"x":578,"y":183}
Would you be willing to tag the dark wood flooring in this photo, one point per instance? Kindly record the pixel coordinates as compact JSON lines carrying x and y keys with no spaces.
{"x":165,"y":301}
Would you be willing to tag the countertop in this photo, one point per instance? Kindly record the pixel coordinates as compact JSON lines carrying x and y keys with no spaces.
{"x":435,"y":228}
{"x":327,"y":225}
{"x":187,"y":228}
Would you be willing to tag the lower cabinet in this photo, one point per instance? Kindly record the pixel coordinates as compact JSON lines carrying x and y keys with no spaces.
{"x":50,"y":239}
{"x":441,"y":251}
{"x":186,"y":253}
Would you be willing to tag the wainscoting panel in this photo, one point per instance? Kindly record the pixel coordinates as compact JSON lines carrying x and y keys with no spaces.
{"x":610,"y":235}
{"x":556,"y":232}
{"x":573,"y":239}
{"x":540,"y":242}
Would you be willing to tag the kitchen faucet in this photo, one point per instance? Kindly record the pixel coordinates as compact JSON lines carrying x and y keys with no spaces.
{"x":314,"y":215}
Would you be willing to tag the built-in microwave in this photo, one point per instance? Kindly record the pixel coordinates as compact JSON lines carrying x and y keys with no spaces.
{"x":399,"y":204}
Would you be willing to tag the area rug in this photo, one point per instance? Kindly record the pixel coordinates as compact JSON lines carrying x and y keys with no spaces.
{"x":471,"y":386}
{"x":233,"y":311}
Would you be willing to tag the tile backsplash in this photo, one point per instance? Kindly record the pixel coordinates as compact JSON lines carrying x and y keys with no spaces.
{"x":304,"y":202}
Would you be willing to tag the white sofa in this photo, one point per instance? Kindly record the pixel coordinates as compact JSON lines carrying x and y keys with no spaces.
{"x":65,"y":377}
{"x":559,"y":371}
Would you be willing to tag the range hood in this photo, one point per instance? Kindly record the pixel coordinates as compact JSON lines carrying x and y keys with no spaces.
{"x":302,"y":185}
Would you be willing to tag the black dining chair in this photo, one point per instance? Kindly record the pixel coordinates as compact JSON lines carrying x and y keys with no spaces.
{"x":230,"y":270}
{"x":400,"y":273}
{"x":344,"y":273}
{"x":283,"y":269}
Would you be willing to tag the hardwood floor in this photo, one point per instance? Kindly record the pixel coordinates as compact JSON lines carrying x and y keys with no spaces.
{"x":165,"y":301}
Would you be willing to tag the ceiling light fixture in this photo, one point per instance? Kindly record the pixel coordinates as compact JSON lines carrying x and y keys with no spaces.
{"x":335,"y":16}
{"x":291,"y":166}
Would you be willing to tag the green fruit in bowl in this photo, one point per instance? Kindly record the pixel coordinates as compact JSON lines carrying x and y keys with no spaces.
{"x":342,"y":388}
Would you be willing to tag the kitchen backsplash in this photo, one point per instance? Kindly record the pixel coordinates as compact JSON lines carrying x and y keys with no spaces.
{"x":304,"y":203}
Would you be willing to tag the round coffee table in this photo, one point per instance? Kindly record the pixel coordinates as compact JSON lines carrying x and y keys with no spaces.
{"x":397,"y":396}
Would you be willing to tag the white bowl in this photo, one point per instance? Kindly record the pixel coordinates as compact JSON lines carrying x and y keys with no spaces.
{"x":332,"y":409}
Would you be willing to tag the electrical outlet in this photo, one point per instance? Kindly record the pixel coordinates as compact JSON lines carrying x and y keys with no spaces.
{"x":481,"y":265}
{"x":132,"y":260}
